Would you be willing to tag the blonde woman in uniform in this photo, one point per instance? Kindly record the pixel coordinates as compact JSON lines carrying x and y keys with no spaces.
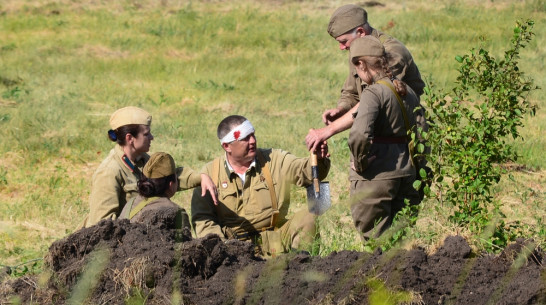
{"x":382,"y":172}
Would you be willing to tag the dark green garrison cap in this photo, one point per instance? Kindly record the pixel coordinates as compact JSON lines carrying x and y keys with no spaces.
{"x":345,"y":19}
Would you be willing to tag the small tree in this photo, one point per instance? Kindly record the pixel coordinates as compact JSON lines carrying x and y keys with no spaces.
{"x":470,"y":127}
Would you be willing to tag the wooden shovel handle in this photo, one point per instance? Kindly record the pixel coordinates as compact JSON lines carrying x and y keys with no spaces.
{"x":314,"y":161}
{"x":314,"y":172}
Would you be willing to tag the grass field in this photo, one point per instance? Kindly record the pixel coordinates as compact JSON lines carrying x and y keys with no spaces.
{"x":65,"y":66}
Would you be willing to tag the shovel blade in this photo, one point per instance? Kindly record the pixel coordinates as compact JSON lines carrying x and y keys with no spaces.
{"x":319,"y":203}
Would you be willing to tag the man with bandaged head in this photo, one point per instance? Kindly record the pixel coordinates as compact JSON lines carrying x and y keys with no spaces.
{"x":254,"y":192}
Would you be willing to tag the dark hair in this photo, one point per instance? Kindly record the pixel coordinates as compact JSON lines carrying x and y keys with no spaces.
{"x":150,"y":187}
{"x":228,"y":123}
{"x":119,"y":134}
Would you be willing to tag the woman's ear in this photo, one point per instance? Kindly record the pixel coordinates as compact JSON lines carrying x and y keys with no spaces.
{"x":173,"y":187}
{"x":360,"y":65}
{"x":129,"y":138}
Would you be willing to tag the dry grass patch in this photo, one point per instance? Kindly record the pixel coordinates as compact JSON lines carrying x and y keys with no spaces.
{"x":132,"y":277}
{"x":180,"y":54}
{"x":224,"y":107}
{"x":7,"y":103}
{"x":99,"y":51}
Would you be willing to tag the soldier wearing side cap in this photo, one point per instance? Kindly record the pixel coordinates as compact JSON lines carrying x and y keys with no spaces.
{"x":155,"y":188}
{"x":254,"y":192}
{"x":346,"y":24}
{"x":382,"y":167}
{"x":115,"y":181}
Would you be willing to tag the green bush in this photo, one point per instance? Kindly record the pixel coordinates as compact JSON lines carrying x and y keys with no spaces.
{"x":470,"y":126}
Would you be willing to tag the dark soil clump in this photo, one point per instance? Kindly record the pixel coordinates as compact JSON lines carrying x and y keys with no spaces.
{"x":115,"y":261}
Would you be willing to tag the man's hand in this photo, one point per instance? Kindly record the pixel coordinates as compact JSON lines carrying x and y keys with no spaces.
{"x":316,"y":138}
{"x":331,"y":115}
{"x":208,"y":186}
{"x":322,"y":151}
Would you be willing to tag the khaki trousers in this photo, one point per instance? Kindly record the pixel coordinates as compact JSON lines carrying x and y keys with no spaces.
{"x":298,"y":233}
{"x":374,"y":203}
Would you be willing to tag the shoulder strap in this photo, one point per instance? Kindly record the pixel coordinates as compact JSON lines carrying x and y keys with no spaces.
{"x":129,"y":206}
{"x":270,"y":185}
{"x":215,"y":171}
{"x":140,"y":206}
{"x":399,"y":99}
{"x":405,"y":115}
{"x":383,"y":37}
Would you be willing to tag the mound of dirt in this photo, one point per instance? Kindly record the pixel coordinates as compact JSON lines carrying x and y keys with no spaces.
{"x":116,"y":260}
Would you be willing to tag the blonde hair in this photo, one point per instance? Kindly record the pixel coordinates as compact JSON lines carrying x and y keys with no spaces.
{"x":380,"y":65}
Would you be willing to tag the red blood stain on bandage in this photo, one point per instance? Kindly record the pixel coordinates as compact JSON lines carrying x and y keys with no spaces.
{"x":236,"y":134}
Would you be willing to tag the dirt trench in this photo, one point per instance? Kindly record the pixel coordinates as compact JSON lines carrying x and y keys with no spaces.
{"x":115,"y":260}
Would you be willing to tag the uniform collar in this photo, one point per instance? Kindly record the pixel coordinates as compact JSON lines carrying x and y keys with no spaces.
{"x":384,"y":78}
{"x":141,"y":160}
{"x":229,"y":168}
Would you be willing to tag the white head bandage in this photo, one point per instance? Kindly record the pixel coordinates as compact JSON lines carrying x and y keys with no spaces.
{"x":239,"y":132}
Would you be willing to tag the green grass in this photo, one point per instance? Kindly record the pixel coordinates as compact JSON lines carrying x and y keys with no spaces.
{"x":65,"y":66}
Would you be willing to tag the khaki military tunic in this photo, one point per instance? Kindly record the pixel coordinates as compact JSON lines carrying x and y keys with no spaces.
{"x":383,"y":173}
{"x":401,"y":64}
{"x":248,"y":208}
{"x":176,"y":214}
{"x":114,"y":184}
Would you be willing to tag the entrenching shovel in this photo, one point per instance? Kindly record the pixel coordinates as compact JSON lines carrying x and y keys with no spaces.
{"x":318,"y":193}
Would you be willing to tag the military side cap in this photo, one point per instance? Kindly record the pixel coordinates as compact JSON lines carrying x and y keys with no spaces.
{"x":346,"y":18}
{"x":366,"y":46}
{"x":160,"y":165}
{"x":130,"y":115}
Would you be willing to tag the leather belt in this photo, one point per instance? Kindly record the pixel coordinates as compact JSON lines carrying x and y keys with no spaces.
{"x":390,"y":140}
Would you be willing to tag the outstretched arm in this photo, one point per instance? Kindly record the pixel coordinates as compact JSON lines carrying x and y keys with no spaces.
{"x":188,"y":178}
{"x":317,"y":136}
{"x":330,"y":115}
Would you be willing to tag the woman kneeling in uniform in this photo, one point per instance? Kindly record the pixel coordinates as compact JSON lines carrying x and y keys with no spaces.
{"x":382,"y":170}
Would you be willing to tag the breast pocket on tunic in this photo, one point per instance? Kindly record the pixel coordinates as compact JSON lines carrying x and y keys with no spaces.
{"x":228,"y":201}
{"x":260,"y":199}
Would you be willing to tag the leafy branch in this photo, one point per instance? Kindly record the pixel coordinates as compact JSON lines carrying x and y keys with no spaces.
{"x":471,"y":124}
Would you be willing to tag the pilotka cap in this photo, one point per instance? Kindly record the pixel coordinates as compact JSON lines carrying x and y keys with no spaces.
{"x":366,"y":46}
{"x":130,"y":115}
{"x":345,"y":19}
{"x":160,"y":165}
